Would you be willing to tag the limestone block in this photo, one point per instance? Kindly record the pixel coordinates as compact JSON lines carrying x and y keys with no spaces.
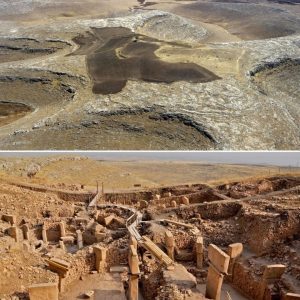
{"x":185,"y":200}
{"x":235,"y":250}
{"x":26,"y":246}
{"x":62,"y":245}
{"x":133,"y":241}
{"x":45,"y":291}
{"x":100,"y":254}
{"x":218,"y":258}
{"x":291,"y":296}
{"x":133,"y":260}
{"x":26,"y":232}
{"x":108,"y":220}
{"x":44,"y":235}
{"x":10,"y":218}
{"x":214,"y":283}
{"x":199,"y":252}
{"x":199,"y":244}
{"x":62,"y":228}
{"x":169,"y":239}
{"x":273,"y":271}
{"x":14,"y":233}
{"x":133,"y":290}
{"x":59,"y":266}
{"x":79,"y":239}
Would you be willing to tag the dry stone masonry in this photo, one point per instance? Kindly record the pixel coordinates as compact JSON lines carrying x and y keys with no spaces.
{"x":163,"y":244}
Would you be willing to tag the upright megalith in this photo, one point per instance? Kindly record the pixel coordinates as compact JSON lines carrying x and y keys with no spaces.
{"x":62,"y":227}
{"x":62,"y":245}
{"x":44,"y":235}
{"x":133,"y":241}
{"x":100,"y":255}
{"x":26,"y":232}
{"x":218,"y":267}
{"x":234,"y":251}
{"x":45,"y":291}
{"x":14,"y":233}
{"x":170,"y":244}
{"x":79,"y":239}
{"x":133,"y":261}
{"x":272,"y":273}
{"x":199,"y":247}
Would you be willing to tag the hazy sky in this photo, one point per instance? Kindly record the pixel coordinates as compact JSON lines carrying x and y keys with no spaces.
{"x":272,"y":158}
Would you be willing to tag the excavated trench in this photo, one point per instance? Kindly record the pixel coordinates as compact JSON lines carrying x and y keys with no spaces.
{"x":115,"y":55}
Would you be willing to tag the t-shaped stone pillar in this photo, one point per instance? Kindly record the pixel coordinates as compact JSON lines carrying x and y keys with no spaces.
{"x":234,"y":251}
{"x":100,"y":254}
{"x":271,"y":274}
{"x":199,"y":252}
{"x":219,"y":262}
{"x":170,"y":244}
{"x":133,"y":241}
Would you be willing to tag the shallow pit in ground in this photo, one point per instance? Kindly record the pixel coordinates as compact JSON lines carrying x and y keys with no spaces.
{"x":12,"y":111}
{"x":140,"y":130}
{"x":13,"y":49}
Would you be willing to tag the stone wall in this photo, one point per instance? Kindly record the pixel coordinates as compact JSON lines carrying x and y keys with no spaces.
{"x":264,"y":230}
{"x":212,"y":211}
{"x":245,"y":281}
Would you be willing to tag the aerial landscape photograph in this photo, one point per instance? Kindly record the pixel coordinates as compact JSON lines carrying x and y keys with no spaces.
{"x":150,"y":149}
{"x":142,"y":226}
{"x":149,"y":75}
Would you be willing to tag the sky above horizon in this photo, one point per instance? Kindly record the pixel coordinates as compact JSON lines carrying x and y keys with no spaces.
{"x":269,"y":158}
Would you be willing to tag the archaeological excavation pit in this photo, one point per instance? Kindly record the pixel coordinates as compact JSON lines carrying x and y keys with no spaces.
{"x":237,"y":240}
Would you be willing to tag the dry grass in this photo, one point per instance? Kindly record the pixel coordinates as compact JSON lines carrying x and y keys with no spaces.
{"x":118,"y":175}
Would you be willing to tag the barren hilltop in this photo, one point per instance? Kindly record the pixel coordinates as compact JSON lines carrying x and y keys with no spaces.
{"x":149,"y":75}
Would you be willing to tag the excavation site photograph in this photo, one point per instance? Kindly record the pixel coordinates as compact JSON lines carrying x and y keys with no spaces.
{"x":149,"y":75}
{"x":149,"y":226}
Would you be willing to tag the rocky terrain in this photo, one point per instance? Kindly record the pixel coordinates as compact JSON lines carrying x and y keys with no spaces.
{"x":200,"y":85}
